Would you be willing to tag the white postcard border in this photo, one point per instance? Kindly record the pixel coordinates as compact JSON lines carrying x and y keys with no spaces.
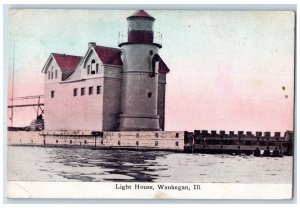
{"x":112,"y":190}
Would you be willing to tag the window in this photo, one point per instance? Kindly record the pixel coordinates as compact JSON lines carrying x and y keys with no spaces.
{"x":177,"y":135}
{"x":137,"y":143}
{"x":48,"y":74}
{"x":82,"y":91}
{"x":88,"y":69}
{"x":149,"y":94}
{"x":55,"y":74}
{"x":98,"y":89}
{"x":52,"y":94}
{"x":176,"y":143}
{"x":93,"y":66}
{"x":75,"y":92}
{"x":155,"y":60}
{"x":156,"y":143}
{"x":119,"y":143}
{"x":56,"y":141}
{"x":52,"y":75}
{"x":97,"y":68}
{"x":84,"y":141}
{"x":90,"y":90}
{"x":70,"y":141}
{"x":156,"y":134}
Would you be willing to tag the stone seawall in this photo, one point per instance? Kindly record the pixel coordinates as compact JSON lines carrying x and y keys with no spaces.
{"x":24,"y":138}
{"x":197,"y":141}
{"x":156,"y":140}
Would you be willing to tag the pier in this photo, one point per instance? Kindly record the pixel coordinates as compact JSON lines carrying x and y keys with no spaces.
{"x":237,"y":143}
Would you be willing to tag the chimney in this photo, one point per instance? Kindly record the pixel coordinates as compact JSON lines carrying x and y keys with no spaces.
{"x":92,"y":44}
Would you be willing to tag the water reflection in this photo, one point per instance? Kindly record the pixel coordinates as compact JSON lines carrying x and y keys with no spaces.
{"x":123,"y":164}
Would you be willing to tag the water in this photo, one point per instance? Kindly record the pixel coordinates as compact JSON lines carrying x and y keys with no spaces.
{"x":66,"y":164}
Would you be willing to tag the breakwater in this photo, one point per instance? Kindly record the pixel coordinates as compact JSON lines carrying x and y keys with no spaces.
{"x":199,"y":141}
{"x":142,"y":140}
{"x":247,"y":143}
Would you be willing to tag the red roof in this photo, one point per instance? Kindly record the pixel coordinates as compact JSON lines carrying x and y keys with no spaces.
{"x":141,"y":13}
{"x":109,"y":55}
{"x":67,"y":62}
{"x":162,"y":67}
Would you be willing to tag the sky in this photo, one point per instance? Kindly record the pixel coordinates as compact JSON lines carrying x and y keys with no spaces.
{"x":230,"y":70}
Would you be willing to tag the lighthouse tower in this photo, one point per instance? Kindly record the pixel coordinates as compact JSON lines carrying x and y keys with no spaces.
{"x":140,"y":59}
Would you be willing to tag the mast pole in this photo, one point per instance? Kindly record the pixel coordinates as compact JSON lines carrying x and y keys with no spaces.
{"x":12,"y":92}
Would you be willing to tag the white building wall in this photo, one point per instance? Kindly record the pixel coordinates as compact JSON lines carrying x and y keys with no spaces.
{"x":68,"y":112}
{"x":52,"y":67}
{"x":111,"y":98}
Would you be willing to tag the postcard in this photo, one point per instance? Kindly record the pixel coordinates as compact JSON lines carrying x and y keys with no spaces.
{"x":150,"y":104}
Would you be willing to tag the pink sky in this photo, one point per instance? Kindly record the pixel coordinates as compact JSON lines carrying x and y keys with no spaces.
{"x":227,"y":68}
